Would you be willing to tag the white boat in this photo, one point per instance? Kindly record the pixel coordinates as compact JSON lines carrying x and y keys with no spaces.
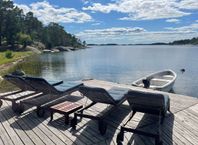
{"x":55,"y":50}
{"x":162,"y":80}
{"x":46,"y":50}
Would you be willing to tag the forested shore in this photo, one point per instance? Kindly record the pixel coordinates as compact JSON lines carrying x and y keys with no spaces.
{"x":17,"y":30}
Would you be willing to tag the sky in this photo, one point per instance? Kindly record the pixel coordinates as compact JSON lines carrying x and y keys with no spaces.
{"x":119,"y":21}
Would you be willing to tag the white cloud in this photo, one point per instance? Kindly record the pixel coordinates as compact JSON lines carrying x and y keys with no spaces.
{"x":196,"y":21}
{"x":146,"y":9}
{"x":137,"y":35}
{"x":185,"y":29}
{"x":25,"y":8}
{"x":102,"y":8}
{"x":173,"y":20}
{"x":113,"y":31}
{"x":47,"y":13}
{"x":189,"y":4}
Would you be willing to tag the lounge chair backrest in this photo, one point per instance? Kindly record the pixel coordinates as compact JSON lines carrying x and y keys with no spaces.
{"x":19,"y":82}
{"x":98,"y":95}
{"x":145,"y":99}
{"x":41,"y":85}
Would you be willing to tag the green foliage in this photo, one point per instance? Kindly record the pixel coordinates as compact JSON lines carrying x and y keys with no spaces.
{"x":15,"y":56}
{"x":10,"y":21}
{"x":55,"y":35}
{"x":24,"y":39}
{"x":32,"y":26}
{"x":17,"y":27}
{"x":194,"y":41}
{"x":8,"y":54}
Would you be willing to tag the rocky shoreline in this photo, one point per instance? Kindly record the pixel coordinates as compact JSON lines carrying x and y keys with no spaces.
{"x":62,"y":48}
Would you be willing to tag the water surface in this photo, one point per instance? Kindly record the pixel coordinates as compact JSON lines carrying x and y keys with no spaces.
{"x":122,"y":64}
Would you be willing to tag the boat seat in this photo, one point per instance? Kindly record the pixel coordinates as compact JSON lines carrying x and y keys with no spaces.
{"x":160,"y":80}
{"x":169,"y":77}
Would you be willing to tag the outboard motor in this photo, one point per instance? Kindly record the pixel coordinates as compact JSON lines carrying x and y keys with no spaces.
{"x":146,"y":83}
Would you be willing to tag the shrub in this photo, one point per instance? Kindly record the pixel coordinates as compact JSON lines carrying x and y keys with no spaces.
{"x":8,"y":54}
{"x":24,"y":39}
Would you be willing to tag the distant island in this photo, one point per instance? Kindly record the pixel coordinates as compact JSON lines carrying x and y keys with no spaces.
{"x":193,"y":41}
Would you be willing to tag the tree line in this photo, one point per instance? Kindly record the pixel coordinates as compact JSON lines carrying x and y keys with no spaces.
{"x":193,"y":41}
{"x":19,"y":28}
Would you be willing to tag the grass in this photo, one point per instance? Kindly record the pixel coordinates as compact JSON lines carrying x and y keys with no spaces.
{"x":16,"y":56}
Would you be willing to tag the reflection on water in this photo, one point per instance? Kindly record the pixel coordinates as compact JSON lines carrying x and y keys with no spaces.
{"x":122,"y":64}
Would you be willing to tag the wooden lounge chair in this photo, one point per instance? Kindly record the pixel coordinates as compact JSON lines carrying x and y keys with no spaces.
{"x":113,"y":97}
{"x":22,"y":85}
{"x":151,"y":103}
{"x":52,"y":94}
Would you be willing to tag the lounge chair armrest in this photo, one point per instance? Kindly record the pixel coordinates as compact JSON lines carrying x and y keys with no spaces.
{"x":57,"y":83}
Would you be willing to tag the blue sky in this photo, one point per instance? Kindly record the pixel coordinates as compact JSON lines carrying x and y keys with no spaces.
{"x":119,"y":21}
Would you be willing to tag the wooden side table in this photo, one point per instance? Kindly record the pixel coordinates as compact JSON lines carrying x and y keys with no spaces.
{"x":65,"y":108}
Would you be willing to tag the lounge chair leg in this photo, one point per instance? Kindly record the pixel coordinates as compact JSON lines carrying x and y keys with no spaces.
{"x":15,"y":107}
{"x":51,"y":116}
{"x":81,"y":112}
{"x":66,"y":119}
{"x":21,"y":108}
{"x":1,"y":103}
{"x":102,"y":126}
{"x":74,"y":122}
{"x":120,"y":137}
{"x":158,"y":142}
{"x":40,"y":112}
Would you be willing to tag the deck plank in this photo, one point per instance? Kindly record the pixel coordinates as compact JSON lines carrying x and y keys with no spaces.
{"x":23,"y":136}
{"x":1,"y":141}
{"x":6,"y":139}
{"x":10,"y":131}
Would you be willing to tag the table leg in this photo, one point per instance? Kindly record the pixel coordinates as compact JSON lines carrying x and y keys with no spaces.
{"x":66,"y":119}
{"x":52,"y":113}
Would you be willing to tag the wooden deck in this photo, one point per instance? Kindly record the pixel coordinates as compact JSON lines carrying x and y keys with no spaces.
{"x":179,"y":128}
